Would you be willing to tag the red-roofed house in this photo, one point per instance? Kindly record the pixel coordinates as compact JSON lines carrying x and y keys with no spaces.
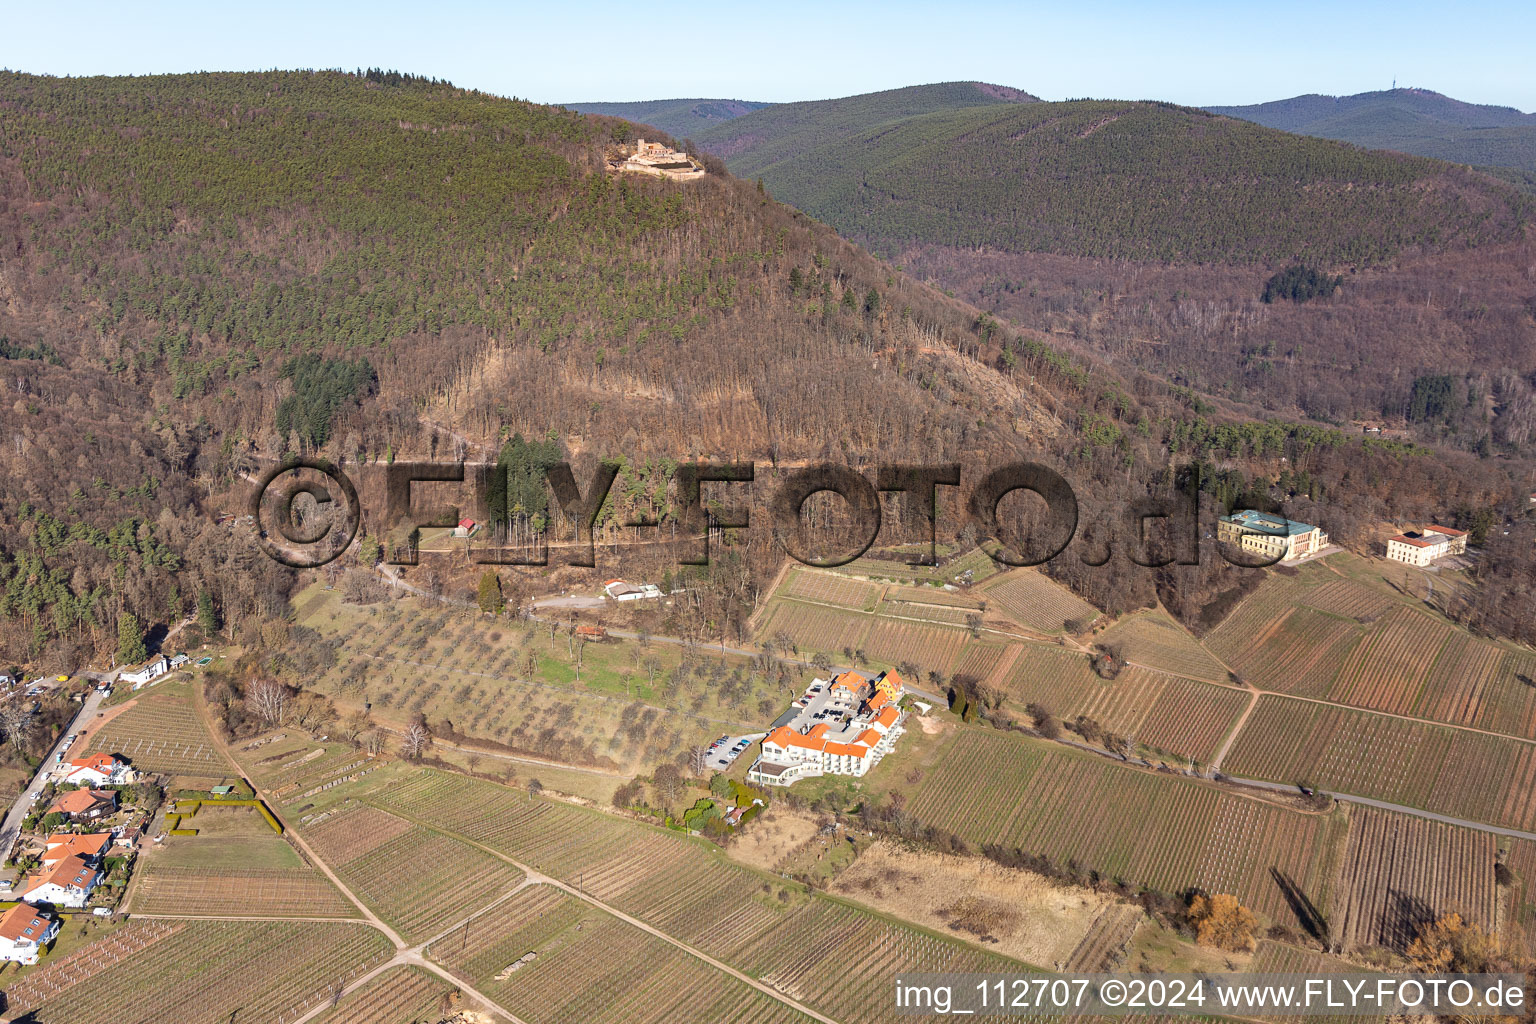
{"x":789,"y":756}
{"x":68,"y":883}
{"x":466,"y":528}
{"x":24,"y":931}
{"x":62,"y":845}
{"x":86,"y":804}
{"x":1421,"y":549}
{"x":846,"y":690}
{"x":99,"y":770}
{"x":1456,"y":540}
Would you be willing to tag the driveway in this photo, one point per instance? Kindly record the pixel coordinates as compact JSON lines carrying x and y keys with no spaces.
{"x":18,"y":812}
{"x":570,"y":601}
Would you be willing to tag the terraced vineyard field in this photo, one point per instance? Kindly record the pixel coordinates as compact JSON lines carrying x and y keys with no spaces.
{"x":884,"y":569}
{"x":935,"y":595}
{"x":944,"y":615}
{"x":1186,"y":718}
{"x":1181,"y":717}
{"x":1301,"y":652}
{"x":840,"y":960}
{"x":1351,"y":643}
{"x":829,"y":588}
{"x":893,"y":641}
{"x":1031,"y":599}
{"x":1283,"y":958}
{"x":1386,"y":672}
{"x":1401,"y":872}
{"x":1156,"y":641}
{"x":549,"y":957}
{"x":986,"y":661}
{"x":814,"y":628}
{"x":1243,"y":627}
{"x":416,"y":879}
{"x":1519,"y":928}
{"x":1350,"y":599}
{"x":884,"y":640}
{"x":1159,"y":830}
{"x":162,"y":733}
{"x":199,"y":970}
{"x":1479,"y":683}
{"x":1450,"y":771}
{"x":399,"y":994}
{"x":975,"y":561}
{"x":1053,"y":676}
{"x":671,"y":883}
{"x":1103,"y":947}
{"x":301,"y":772}
{"x":835,"y":957}
{"x":238,"y":891}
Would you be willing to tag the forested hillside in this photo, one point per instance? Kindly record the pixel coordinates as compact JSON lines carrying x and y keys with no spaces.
{"x":1142,"y":181}
{"x":1147,"y":234}
{"x":200,"y":274}
{"x":678,"y":118}
{"x":1414,"y":121}
{"x":785,"y":131}
{"x":204,"y":272}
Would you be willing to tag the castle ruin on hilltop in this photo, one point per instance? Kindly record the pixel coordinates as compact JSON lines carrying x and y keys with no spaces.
{"x":654,"y":158}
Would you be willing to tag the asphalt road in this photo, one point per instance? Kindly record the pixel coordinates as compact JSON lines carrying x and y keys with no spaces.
{"x":19,"y":810}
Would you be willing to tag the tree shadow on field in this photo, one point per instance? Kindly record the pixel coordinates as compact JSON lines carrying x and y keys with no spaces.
{"x":1406,"y":916}
{"x":1312,"y":919}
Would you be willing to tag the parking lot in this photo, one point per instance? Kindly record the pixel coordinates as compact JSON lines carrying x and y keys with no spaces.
{"x":813,"y":707}
{"x":725,"y":750}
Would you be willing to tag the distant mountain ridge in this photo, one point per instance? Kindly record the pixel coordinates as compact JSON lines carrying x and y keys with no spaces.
{"x":1417,"y":121}
{"x":680,"y":118}
{"x":963,"y":166}
{"x":784,"y":131}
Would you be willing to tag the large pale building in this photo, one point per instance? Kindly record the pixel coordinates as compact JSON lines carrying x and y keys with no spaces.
{"x":1270,"y":537}
{"x":1421,"y":549}
{"x":852,"y":749}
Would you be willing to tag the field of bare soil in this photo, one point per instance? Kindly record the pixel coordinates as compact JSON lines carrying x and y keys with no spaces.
{"x":1030,"y":918}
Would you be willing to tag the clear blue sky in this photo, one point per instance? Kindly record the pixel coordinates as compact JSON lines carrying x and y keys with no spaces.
{"x":1193,"y":53}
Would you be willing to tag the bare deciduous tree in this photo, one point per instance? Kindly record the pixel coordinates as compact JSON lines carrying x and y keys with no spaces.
{"x":16,"y":721}
{"x":268,"y":698}
{"x":415,"y":740}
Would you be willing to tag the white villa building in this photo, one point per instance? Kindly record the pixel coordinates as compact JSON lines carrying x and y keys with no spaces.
{"x":1268,"y":536}
{"x":1421,"y":549}
{"x":24,"y":931}
{"x":69,"y":883}
{"x":151,"y":670}
{"x":97,"y":770}
{"x":69,"y":869}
